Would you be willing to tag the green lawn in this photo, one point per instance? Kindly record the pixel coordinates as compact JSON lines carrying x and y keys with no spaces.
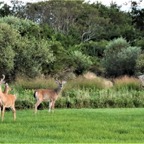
{"x":74,"y":125}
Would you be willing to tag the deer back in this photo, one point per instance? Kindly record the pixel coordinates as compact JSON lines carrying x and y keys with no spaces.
{"x":10,"y":100}
{"x":45,"y":94}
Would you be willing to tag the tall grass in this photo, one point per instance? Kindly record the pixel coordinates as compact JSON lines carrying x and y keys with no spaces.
{"x":126,"y":82}
{"x":38,"y":82}
{"x":83,"y":93}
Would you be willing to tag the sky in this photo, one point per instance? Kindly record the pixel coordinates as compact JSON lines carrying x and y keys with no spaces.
{"x":125,"y":4}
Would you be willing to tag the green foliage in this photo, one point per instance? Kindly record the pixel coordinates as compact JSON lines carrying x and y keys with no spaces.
{"x":81,"y":62}
{"x":4,"y":9}
{"x":23,"y":26}
{"x":61,"y":60}
{"x":8,"y":38}
{"x":120,"y":58}
{"x":24,"y":104}
{"x":95,"y":51}
{"x":82,"y":93}
{"x":32,"y":57}
{"x":140,"y":64}
{"x":54,"y":36}
{"x":140,"y":43}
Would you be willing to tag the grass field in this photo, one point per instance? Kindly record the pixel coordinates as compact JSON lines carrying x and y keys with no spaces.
{"x":74,"y":126}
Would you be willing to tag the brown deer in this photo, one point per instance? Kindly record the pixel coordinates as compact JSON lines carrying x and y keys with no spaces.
{"x":8,"y":101}
{"x":6,"y":90}
{"x":50,"y":95}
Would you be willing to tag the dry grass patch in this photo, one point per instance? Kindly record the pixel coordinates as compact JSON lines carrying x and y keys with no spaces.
{"x":127,"y":82}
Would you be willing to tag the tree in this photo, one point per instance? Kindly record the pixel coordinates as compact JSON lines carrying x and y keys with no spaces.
{"x":120,"y":58}
{"x":4,"y":10}
{"x":140,"y":64}
{"x":137,"y":16}
{"x":32,"y":56}
{"x":8,"y":38}
{"x":23,"y":26}
{"x":81,"y":62}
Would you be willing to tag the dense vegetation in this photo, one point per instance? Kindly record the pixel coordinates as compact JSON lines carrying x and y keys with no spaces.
{"x":83,"y":93}
{"x":58,"y":38}
{"x":64,"y":40}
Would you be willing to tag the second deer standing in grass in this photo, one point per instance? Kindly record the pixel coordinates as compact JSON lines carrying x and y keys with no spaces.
{"x":50,"y":95}
{"x":8,"y":100}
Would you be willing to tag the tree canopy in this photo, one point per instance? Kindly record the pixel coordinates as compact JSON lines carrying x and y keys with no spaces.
{"x":51,"y":37}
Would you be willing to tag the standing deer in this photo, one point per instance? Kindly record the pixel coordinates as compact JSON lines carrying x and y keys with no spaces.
{"x":50,"y":95}
{"x":8,"y":101}
{"x":6,"y":90}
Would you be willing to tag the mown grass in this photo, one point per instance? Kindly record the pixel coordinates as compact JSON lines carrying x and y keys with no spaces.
{"x":74,"y":126}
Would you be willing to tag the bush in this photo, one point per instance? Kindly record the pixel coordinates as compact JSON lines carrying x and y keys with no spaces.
{"x":32,"y":57}
{"x":81,"y":62}
{"x":24,"y":104}
{"x":23,"y":26}
{"x":120,"y":58}
{"x":8,"y":39}
{"x":140,"y":64}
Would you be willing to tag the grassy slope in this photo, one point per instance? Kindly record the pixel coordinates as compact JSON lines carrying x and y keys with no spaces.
{"x":74,"y":125}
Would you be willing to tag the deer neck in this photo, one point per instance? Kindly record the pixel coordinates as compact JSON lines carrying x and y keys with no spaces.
{"x":58,"y":89}
{"x":5,"y":91}
{"x":2,"y":97}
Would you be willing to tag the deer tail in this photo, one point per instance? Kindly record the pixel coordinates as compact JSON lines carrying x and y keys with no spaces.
{"x":35,"y":94}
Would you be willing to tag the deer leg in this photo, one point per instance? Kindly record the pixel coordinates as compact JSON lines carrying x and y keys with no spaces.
{"x":36,"y":105}
{"x":3,"y":111}
{"x":50,"y":106}
{"x":53,"y":105}
{"x":14,"y":113}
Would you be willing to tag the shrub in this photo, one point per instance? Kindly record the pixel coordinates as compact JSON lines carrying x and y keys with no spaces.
{"x":120,"y":58}
{"x":140,"y":64}
{"x":24,"y":104}
{"x":32,"y":56}
{"x":8,"y":38}
{"x":23,"y":26}
{"x":81,"y":62}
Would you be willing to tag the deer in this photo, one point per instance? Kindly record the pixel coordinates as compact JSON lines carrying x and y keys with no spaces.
{"x":8,"y":101}
{"x":6,"y":90}
{"x":50,"y":95}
